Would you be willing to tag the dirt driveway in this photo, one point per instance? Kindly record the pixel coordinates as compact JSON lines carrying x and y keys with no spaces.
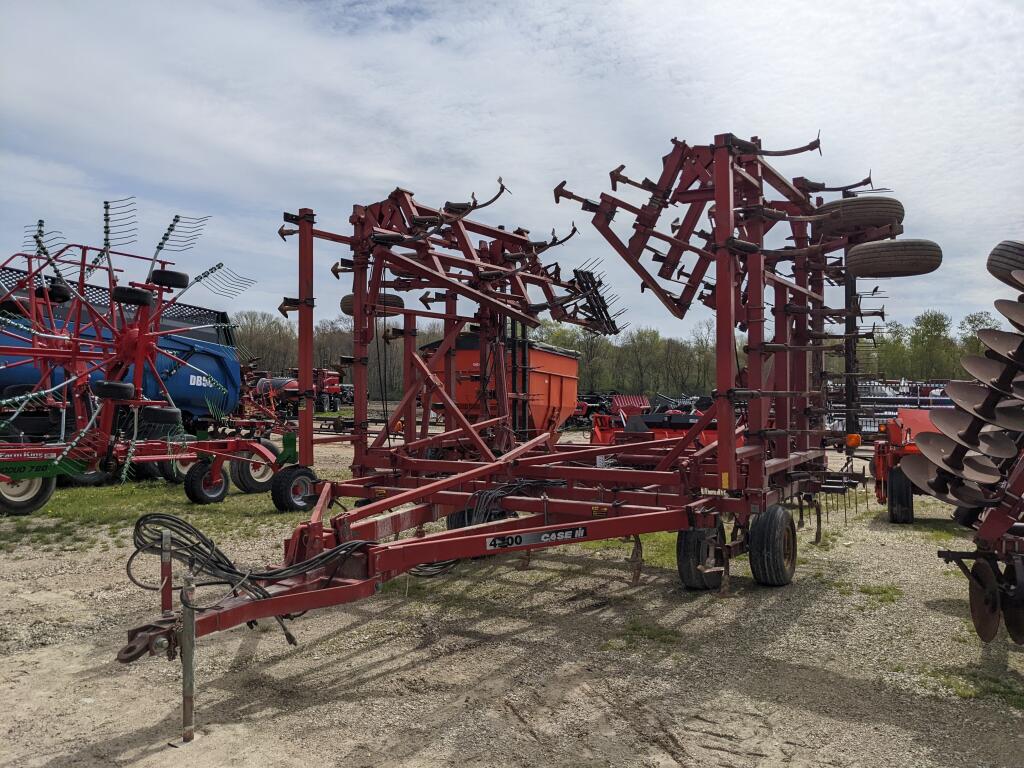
{"x":865,"y":660}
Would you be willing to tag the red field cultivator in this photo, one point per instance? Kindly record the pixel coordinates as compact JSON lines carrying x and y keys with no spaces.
{"x":499,"y":478}
{"x":973,"y":461}
{"x":100,"y":354}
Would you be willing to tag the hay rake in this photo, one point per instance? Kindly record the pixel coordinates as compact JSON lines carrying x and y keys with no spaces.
{"x":86,"y":340}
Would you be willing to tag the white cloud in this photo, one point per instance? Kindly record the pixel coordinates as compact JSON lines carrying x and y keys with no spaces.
{"x":241,"y":110}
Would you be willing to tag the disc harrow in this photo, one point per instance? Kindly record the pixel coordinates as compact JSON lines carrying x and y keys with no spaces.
{"x":975,"y":463}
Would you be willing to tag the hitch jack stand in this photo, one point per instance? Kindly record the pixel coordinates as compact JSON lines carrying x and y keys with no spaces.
{"x":187,"y":644}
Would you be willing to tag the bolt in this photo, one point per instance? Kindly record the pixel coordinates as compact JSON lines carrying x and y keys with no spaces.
{"x":160,"y":644}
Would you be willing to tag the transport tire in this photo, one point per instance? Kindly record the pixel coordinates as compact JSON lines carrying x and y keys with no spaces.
{"x":145,"y":470}
{"x":113,"y":390}
{"x":1004,"y":259}
{"x":856,"y":214}
{"x":134,"y":297}
{"x":59,"y":293}
{"x":348,"y":303}
{"x":323,"y":403}
{"x":16,"y":390}
{"x":25,"y":495}
{"x":168,"y":278}
{"x":87,"y":479}
{"x":694,"y":548}
{"x":250,"y":479}
{"x":893,"y":258}
{"x":155,"y":414}
{"x":200,"y":487}
{"x":773,"y":546}
{"x":899,"y":497}
{"x":292,"y":489}
{"x":173,"y":471}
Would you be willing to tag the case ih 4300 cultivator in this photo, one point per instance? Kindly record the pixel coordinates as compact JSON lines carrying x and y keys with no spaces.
{"x":500,"y":480}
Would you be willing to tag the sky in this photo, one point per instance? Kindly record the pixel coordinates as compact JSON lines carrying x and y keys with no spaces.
{"x":240,"y":111}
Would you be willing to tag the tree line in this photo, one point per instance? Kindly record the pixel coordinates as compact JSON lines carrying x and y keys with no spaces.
{"x":640,"y":360}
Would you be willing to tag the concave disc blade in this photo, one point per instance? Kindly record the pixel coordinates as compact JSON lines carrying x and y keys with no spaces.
{"x":1012,"y":311}
{"x":1017,"y":276}
{"x":1003,"y":343}
{"x":989,"y":372}
{"x":973,"y":398}
{"x":925,"y":475}
{"x":954,"y":424}
{"x":984,"y":600}
{"x":940,"y":450}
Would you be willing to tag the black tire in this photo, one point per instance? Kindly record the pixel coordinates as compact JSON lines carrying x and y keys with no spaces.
{"x":899,"y":497}
{"x":348,"y":303}
{"x":145,"y":470}
{"x":323,"y":403}
{"x":893,"y":258}
{"x":113,"y":390}
{"x":856,"y":214}
{"x":249,"y":479}
{"x":174,"y":470}
{"x":85,"y":479}
{"x":25,"y":495}
{"x":155,"y":414}
{"x":15,"y":390}
{"x":134,"y":297}
{"x":58,"y":293}
{"x":199,"y":486}
{"x":693,"y":549}
{"x":292,"y":489}
{"x":1004,"y":259}
{"x":773,"y":546}
{"x":168,"y":278}
{"x":11,"y":307}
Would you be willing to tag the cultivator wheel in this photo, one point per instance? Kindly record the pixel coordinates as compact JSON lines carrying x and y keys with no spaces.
{"x":975,"y":463}
{"x":699,"y":557}
{"x":773,"y":547}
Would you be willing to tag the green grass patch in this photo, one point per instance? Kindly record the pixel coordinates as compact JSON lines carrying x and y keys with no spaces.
{"x":971,"y":684}
{"x":828,"y":540}
{"x":78,"y":518}
{"x":659,"y":548}
{"x":641,"y":629}
{"x":940,"y":531}
{"x":881,"y":593}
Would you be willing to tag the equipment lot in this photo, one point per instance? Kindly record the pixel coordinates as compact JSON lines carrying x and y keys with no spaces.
{"x":867,"y":659}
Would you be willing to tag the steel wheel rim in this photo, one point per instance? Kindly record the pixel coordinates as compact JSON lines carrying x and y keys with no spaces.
{"x":300,"y":489}
{"x":261,"y":472}
{"x":210,"y":486}
{"x":21,"y":490}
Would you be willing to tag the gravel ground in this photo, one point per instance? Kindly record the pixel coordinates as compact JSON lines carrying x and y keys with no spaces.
{"x":867,"y":659}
